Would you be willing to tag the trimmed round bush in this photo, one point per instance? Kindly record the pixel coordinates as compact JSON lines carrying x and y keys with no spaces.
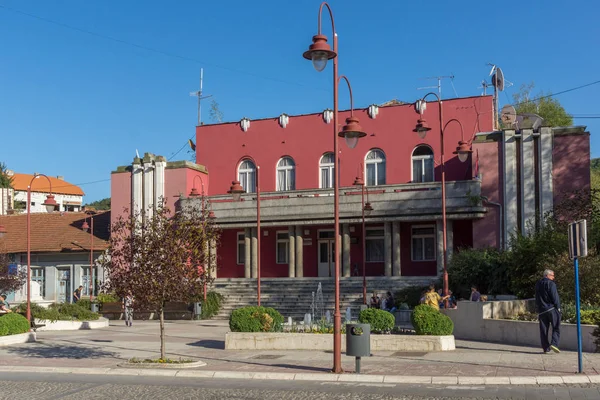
{"x":428,"y":321}
{"x":381,"y":321}
{"x":13,"y":324}
{"x":255,"y":319}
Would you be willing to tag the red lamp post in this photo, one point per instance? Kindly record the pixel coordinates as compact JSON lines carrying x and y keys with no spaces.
{"x":463,"y":150}
{"x":85,"y":227}
{"x":319,"y":53}
{"x":236,"y":191}
{"x":50,"y":204}
{"x":366,"y":209}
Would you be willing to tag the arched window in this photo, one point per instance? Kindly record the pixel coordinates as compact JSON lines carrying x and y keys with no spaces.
{"x":375,"y":168}
{"x":326,"y":167}
{"x":422,"y":164}
{"x":286,"y":174}
{"x":247,"y":176}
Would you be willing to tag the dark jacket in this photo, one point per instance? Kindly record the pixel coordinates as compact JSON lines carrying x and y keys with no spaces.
{"x":546,"y":295}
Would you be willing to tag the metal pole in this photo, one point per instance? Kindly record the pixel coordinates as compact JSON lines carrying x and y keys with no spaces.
{"x":364,"y":245}
{"x":29,"y":253}
{"x":357,"y":365}
{"x":258,"y":234}
{"x":92,"y":259}
{"x":578,"y":309}
{"x":443,"y":170}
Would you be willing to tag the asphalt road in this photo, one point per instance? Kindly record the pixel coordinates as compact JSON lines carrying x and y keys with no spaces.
{"x":61,"y":386}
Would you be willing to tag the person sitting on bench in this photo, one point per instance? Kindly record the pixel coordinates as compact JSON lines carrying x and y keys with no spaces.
{"x":4,"y":308}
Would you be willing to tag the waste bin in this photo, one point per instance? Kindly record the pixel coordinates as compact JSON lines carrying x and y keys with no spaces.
{"x":197,"y":310}
{"x":358,"y":342}
{"x":95,"y":307}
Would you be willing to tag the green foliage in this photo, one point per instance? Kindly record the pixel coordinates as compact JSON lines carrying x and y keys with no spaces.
{"x":484,"y":268}
{"x":589,"y":278}
{"x":381,"y":321}
{"x":107,"y":298}
{"x":5,"y":180}
{"x":13,"y":324}
{"x":548,"y":108}
{"x":428,"y":321}
{"x":253,"y":319}
{"x":212,"y":305}
{"x":60,"y":312}
{"x":85,"y":303}
{"x":100,"y":205}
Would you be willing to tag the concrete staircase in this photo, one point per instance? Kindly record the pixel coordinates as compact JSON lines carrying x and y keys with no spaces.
{"x":292,"y":297}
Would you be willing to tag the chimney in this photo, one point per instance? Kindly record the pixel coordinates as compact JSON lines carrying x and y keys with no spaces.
{"x":10,"y":172}
{"x":62,"y":178}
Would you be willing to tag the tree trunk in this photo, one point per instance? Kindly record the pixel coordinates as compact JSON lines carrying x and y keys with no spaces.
{"x":162,"y":333}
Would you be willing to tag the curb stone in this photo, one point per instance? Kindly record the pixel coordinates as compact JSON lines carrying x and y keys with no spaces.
{"x":324,"y":377}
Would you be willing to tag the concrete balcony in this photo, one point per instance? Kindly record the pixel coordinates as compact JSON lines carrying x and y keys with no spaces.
{"x":403,"y":202}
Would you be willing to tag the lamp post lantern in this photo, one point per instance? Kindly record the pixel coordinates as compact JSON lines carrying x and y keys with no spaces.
{"x":463,"y":150}
{"x":236,"y":190}
{"x":50,"y":205}
{"x":319,"y":52}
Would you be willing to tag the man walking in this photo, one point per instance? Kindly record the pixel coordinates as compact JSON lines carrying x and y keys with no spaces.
{"x":547,"y":303}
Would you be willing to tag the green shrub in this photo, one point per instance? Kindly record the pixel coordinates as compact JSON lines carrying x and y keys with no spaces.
{"x":428,"y":321}
{"x":253,"y":319}
{"x":381,"y":321}
{"x":85,"y":303}
{"x":212,"y":305}
{"x":485,"y":268}
{"x":107,"y":298}
{"x":75,"y":311}
{"x":13,"y":324}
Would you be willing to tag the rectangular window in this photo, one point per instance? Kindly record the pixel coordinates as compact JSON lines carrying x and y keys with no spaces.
{"x":241,"y":248}
{"x":38,"y":275}
{"x":423,"y":243}
{"x":374,"y":245}
{"x":283,"y":243}
{"x":423,"y":169}
{"x":86,"y":279}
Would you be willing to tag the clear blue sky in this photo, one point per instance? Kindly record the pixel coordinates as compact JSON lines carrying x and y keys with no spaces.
{"x":79,"y":105}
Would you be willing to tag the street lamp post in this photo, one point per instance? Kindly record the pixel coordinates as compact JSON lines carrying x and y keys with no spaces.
{"x":85,"y":227}
{"x":50,"y":204}
{"x":319,"y":53}
{"x":463,"y":150}
{"x":236,"y":191}
{"x":194,"y":193}
{"x":366,"y":209}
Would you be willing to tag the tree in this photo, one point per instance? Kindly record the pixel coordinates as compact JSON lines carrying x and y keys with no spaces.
{"x":100,"y":205}
{"x":11,"y":279}
{"x":6,"y":181}
{"x":216,"y":115}
{"x":543,"y":105}
{"x":160,"y":257}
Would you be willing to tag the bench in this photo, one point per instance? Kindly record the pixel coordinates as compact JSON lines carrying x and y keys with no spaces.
{"x":172,"y":311}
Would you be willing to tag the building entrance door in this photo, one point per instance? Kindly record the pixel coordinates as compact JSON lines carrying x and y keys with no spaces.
{"x":64,"y":285}
{"x":326,"y":254}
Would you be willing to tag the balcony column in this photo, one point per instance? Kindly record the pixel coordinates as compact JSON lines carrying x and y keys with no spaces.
{"x":387,"y":248}
{"x":346,"y":250}
{"x":292,"y":251}
{"x":254,"y":253}
{"x":299,"y":252}
{"x":247,"y":253}
{"x":396,"y":271}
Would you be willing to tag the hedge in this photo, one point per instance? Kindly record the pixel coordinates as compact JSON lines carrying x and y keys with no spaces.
{"x":60,"y":312}
{"x":381,"y":321}
{"x":255,"y":319}
{"x":428,"y":321}
{"x":212,"y":305}
{"x":13,"y":324}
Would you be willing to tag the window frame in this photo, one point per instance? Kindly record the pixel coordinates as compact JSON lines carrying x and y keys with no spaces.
{"x":289,"y":172}
{"x":287,"y":247}
{"x":85,"y":280}
{"x":42,"y":281}
{"x":241,"y":242}
{"x":423,"y":237}
{"x":248,"y":172}
{"x":330,"y":167}
{"x":375,"y":162}
{"x":372,"y":238}
{"x":422,"y":159}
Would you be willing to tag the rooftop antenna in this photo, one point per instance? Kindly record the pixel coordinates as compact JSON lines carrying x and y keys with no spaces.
{"x":484,"y":86}
{"x":499,"y":83}
{"x":439,"y":85}
{"x":200,"y":97}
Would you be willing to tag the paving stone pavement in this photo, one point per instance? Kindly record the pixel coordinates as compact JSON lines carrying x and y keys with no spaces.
{"x":204,"y":340}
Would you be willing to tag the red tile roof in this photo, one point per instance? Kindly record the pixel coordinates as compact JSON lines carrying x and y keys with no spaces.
{"x":54,"y":232}
{"x":21,"y":181}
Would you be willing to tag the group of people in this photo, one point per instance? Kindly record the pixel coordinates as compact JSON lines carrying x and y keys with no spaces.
{"x":388,"y":303}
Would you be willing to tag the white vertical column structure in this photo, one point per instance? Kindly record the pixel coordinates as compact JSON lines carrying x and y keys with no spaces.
{"x":247,"y":253}
{"x":546,"y":197}
{"x":254,"y":253}
{"x":396,"y":271}
{"x":527,"y":181}
{"x":148,"y":186}
{"x":387,"y":248}
{"x":292,"y":251}
{"x":510,"y":183}
{"x":299,"y":252}
{"x":159,"y":180}
{"x":439,"y":228}
{"x":137,"y":174}
{"x":346,"y":250}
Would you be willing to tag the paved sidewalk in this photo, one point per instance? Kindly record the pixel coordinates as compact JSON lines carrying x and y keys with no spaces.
{"x":470,"y":363}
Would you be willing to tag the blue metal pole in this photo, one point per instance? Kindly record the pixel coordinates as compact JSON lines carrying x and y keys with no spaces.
{"x":578,"y":308}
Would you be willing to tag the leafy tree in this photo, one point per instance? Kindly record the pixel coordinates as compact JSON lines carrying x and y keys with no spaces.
{"x":546,"y":107}
{"x":100,"y":205}
{"x":5,"y":180}
{"x":11,"y":280}
{"x":159,"y":258}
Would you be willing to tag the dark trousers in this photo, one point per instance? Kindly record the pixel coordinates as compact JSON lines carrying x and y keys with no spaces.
{"x":547,"y":320}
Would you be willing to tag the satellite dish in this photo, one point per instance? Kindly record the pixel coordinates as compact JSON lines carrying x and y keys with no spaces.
{"x":498,"y":79}
{"x":529,"y":121}
{"x":508,"y":115}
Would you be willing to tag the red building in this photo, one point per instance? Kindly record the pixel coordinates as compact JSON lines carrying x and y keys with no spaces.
{"x":511,"y":177}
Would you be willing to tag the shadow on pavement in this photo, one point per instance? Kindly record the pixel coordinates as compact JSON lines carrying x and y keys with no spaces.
{"x":209,"y":344}
{"x":40,"y":350}
{"x":463,"y":347}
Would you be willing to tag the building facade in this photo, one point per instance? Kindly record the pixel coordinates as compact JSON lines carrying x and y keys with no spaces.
{"x":511,"y":178}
